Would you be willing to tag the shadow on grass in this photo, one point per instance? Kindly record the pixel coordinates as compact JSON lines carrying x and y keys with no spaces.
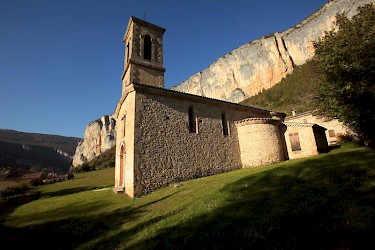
{"x":122,"y":235}
{"x":78,"y":229}
{"x":9,"y":204}
{"x":332,"y":147}
{"x":64,"y":234}
{"x":67,"y":191}
{"x":322,"y":203}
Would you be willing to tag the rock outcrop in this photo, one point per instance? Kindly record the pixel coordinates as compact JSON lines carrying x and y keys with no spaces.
{"x":99,"y":137}
{"x":261,"y":64}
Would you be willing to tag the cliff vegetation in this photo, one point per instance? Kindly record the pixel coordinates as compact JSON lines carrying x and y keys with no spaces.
{"x":297,"y":91}
{"x":104,"y":160}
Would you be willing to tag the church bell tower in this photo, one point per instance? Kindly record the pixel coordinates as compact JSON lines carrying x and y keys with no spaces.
{"x":143,"y":54}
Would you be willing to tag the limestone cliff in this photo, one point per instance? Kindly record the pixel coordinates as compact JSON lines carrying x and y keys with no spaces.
{"x":259,"y":65}
{"x":99,"y":137}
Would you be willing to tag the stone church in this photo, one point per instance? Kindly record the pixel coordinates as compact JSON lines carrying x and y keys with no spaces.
{"x":165,"y":136}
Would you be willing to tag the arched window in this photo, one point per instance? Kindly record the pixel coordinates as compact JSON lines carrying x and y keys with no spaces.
{"x":147,"y":47}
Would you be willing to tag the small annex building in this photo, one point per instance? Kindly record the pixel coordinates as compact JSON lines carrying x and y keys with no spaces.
{"x":164,"y":136}
{"x":305,"y":139}
{"x":334,"y":127}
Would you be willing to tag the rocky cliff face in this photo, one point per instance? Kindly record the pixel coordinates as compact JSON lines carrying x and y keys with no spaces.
{"x":99,"y":137}
{"x":259,"y":65}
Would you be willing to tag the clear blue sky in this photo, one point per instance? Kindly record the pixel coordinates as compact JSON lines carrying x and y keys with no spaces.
{"x":61,"y":60}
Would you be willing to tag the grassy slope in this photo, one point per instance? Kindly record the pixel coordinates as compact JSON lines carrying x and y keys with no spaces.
{"x":322,"y":202}
{"x":296,"y":91}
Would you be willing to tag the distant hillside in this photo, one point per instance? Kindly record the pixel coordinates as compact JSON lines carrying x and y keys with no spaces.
{"x":36,"y":151}
{"x":297,"y":91}
{"x":66,"y":144}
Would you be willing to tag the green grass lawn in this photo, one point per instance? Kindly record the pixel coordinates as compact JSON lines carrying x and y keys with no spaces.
{"x":322,"y":202}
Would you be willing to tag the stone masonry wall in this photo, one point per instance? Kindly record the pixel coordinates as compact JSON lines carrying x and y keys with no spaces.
{"x":260,"y":142}
{"x":149,"y":76}
{"x":165,"y":150}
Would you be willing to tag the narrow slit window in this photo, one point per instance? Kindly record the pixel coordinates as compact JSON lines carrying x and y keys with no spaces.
{"x":127,"y":52}
{"x":192,"y":121}
{"x":294,"y":142}
{"x":124,"y":126}
{"x":147,"y":47}
{"x":224,"y":123}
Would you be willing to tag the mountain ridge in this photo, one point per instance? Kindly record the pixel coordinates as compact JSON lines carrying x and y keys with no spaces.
{"x":36,"y":150}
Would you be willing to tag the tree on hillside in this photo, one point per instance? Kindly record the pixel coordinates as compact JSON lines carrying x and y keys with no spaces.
{"x":346,"y":59}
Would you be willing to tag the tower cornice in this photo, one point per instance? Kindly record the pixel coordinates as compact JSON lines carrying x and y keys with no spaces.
{"x":133,"y":19}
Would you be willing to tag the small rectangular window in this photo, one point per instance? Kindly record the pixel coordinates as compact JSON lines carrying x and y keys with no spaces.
{"x":294,"y":142}
{"x":224,"y":124}
{"x":192,"y":121}
{"x":331,"y":133}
